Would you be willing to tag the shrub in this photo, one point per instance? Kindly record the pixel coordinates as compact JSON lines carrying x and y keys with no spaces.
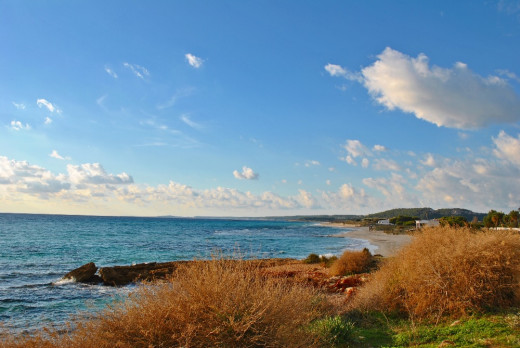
{"x":333,"y":331}
{"x":312,"y":258}
{"x":352,"y":262}
{"x":447,"y":272}
{"x":219,"y":303}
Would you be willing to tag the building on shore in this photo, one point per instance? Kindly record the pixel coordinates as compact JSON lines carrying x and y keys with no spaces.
{"x":426,"y":223}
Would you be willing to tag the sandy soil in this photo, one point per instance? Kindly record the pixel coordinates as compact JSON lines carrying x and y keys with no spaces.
{"x":387,"y":244}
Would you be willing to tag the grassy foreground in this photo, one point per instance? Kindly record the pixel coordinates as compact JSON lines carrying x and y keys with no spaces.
{"x":449,"y":287}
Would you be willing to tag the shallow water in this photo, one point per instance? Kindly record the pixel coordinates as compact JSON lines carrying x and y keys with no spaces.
{"x":37,"y":250}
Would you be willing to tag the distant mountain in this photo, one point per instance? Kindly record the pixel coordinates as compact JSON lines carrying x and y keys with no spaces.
{"x":427,"y":213}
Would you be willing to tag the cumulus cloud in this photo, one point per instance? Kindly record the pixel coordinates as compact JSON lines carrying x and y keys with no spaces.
{"x":94,"y":173}
{"x":507,"y":148}
{"x":17,"y":126}
{"x":43,"y":103}
{"x":349,"y":198}
{"x":194,"y":61}
{"x":379,"y":148}
{"x":137,"y":70}
{"x":452,"y":97}
{"x":306,"y":199}
{"x":47,"y":120}
{"x":386,"y":164}
{"x":20,"y":176}
{"x":111,"y":72}
{"x":246,"y":174}
{"x":355,"y":148}
{"x":365,"y":162}
{"x":429,"y":160}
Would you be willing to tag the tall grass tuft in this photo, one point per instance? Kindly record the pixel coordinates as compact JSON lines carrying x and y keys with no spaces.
{"x":221,"y":303}
{"x":352,"y":262}
{"x":447,"y":272}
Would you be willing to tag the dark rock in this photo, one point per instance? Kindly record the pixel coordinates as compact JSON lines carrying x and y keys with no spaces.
{"x":123,"y":275}
{"x":83,"y":274}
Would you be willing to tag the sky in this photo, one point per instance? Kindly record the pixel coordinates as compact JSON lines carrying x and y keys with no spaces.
{"x":258,"y":108}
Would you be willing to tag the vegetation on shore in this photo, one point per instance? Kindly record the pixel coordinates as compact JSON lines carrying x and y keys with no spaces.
{"x":449,"y":287}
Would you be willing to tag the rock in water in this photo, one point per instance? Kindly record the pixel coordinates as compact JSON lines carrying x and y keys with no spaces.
{"x":123,"y":275}
{"x":83,"y":274}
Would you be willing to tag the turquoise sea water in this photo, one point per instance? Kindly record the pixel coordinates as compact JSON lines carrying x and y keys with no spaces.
{"x":37,"y":250}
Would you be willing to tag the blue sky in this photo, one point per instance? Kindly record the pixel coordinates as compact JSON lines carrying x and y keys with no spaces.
{"x":252,"y":108}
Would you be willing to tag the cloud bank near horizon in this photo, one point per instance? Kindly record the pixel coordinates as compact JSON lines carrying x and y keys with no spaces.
{"x":440,"y":181}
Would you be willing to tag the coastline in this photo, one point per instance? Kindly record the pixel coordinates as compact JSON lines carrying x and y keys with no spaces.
{"x":387,"y":244}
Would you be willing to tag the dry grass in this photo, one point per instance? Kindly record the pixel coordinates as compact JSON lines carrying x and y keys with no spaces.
{"x":352,"y":262}
{"x":448,"y":272}
{"x":219,"y":303}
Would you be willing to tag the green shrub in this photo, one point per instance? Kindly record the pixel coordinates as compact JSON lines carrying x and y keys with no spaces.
{"x":333,"y":331}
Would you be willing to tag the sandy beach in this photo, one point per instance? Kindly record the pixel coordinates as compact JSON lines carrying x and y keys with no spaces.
{"x":387,"y":244}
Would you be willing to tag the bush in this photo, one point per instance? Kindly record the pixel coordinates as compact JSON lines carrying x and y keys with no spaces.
{"x":312,"y":258}
{"x":334,"y":331}
{"x":447,"y":272}
{"x":352,"y":262}
{"x":220,"y":303}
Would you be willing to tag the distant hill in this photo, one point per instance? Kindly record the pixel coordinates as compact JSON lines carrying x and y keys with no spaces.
{"x":427,"y":213}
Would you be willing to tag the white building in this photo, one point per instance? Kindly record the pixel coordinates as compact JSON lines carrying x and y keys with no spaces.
{"x":384,"y":222}
{"x":428,"y":223}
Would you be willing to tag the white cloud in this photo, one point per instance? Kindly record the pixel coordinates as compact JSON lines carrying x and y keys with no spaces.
{"x":355,"y":148}
{"x":48,"y":105}
{"x":310,"y":163}
{"x":455,"y":97}
{"x":348,"y":198}
{"x":379,"y":148}
{"x":246,"y":174}
{"x":94,"y":173}
{"x":328,"y":182}
{"x":19,"y":106}
{"x":507,"y":148}
{"x":386,"y":164}
{"x":56,"y":155}
{"x":138,"y":70}
{"x":187,"y":120}
{"x":429,"y":161}
{"x":194,"y":61}
{"x":337,"y":70}
{"x":349,"y":160}
{"x":306,"y":199}
{"x":110,"y":72}
{"x":393,"y":189}
{"x":17,"y":125}
{"x":365,"y":162}
{"x":451,"y":97}
{"x":48,"y":120}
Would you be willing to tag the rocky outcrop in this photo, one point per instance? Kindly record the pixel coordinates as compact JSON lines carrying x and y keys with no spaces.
{"x":84,"y":274}
{"x":123,"y":275}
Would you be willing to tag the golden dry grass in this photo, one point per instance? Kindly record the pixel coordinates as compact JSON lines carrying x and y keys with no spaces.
{"x":352,"y":262}
{"x":220,"y":303}
{"x":448,"y":272}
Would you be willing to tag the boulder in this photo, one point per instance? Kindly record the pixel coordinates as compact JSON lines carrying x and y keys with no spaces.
{"x":83,"y":274}
{"x":123,"y":275}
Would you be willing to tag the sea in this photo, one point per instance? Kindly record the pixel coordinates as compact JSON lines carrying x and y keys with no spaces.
{"x":37,"y":250}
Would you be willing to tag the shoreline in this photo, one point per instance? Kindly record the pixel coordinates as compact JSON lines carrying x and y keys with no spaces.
{"x":387,"y":244}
